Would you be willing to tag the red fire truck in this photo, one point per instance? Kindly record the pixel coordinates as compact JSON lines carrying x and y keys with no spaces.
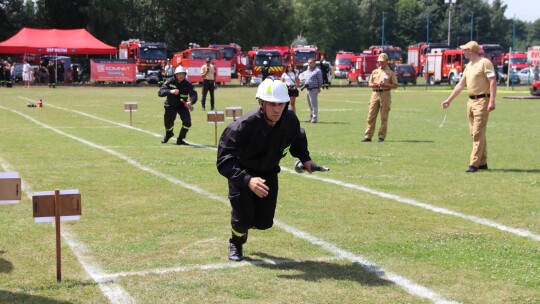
{"x":493,"y":52}
{"x":232,"y":52}
{"x":533,"y":55}
{"x":194,"y":58}
{"x":444,"y":66}
{"x":301,"y":53}
{"x":276,"y":56}
{"x":361,"y":67}
{"x":343,"y":63}
{"x":148,"y":55}
{"x":395,"y":55}
{"x":416,"y":54}
{"x":516,"y":61}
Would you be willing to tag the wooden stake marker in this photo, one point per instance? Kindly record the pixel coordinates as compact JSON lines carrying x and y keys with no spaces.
{"x":10,"y":188}
{"x":130,"y":107}
{"x":215,"y":117}
{"x":233,"y":112}
{"x":57,"y":205}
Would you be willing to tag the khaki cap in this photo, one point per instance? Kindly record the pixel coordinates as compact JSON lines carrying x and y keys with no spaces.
{"x":471,"y":45}
{"x":382,"y":57}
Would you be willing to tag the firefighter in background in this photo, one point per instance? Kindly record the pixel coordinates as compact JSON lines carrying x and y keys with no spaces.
{"x":248,"y":155}
{"x":265,"y":70}
{"x":208,"y":73}
{"x":52,"y":73}
{"x":325,"y":69}
{"x":382,"y":80}
{"x":177,"y":89}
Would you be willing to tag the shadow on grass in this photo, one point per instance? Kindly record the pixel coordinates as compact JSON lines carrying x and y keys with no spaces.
{"x":5,"y":265}
{"x":325,"y":123}
{"x":8,"y":297}
{"x":516,"y":170}
{"x":412,"y":141}
{"x":314,"y":271}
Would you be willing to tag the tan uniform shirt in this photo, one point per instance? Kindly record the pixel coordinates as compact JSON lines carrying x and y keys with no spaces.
{"x":476,"y":76}
{"x":211,"y":72}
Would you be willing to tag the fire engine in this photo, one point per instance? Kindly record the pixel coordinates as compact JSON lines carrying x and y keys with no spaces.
{"x":301,"y":53}
{"x":416,"y":54}
{"x":395,"y":55}
{"x":232,"y":52}
{"x":276,"y":56}
{"x":343,"y":63}
{"x":444,"y":66}
{"x":361,"y":67}
{"x":194,"y":58}
{"x":148,"y":55}
{"x":533,"y":55}
{"x":516,"y":61}
{"x":493,"y":52}
{"x":250,"y":64}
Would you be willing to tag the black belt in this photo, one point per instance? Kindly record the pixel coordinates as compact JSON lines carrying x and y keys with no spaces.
{"x":381,"y":90}
{"x":478,"y":96}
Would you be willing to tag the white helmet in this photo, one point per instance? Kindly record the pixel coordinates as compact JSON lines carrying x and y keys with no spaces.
{"x":180,"y":69}
{"x":265,"y":62}
{"x":273,"y":91}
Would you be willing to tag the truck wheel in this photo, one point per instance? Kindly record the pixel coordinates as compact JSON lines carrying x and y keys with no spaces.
{"x":349,"y":82}
{"x":452,"y":80}
{"x":535,"y":92}
{"x":431,"y":80}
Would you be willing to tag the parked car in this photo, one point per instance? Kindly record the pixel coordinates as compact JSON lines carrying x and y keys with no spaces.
{"x":535,"y":89}
{"x":303,"y":74}
{"x":514,"y":78}
{"x":405,"y":73}
{"x":525,"y":76}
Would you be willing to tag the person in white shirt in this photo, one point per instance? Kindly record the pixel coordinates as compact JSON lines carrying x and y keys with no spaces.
{"x":27,"y":73}
{"x":290,"y":78}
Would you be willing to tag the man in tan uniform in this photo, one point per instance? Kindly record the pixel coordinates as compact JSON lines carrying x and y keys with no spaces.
{"x":479,"y":77}
{"x":382,"y":80}
{"x":208,"y":73}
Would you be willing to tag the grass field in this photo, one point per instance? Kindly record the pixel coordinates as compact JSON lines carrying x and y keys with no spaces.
{"x":392,"y":222}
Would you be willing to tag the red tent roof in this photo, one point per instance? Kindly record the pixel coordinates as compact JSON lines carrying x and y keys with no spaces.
{"x":54,"y":41}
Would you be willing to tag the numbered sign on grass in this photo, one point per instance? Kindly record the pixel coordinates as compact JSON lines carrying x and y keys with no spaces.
{"x":10,"y":188}
{"x":69,"y":206}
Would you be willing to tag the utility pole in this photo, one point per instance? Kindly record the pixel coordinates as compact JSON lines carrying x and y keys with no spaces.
{"x":450,"y":17}
{"x":472,"y":25}
{"x":382,"y":40}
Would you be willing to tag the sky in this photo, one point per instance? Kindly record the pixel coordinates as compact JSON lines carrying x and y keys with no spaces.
{"x":525,"y":10}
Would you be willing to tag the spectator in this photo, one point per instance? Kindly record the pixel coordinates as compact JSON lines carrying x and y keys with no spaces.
{"x":290,"y":77}
{"x":313,"y":84}
{"x":382,"y":80}
{"x":27,"y":73}
{"x":325,"y":70}
{"x":208,"y":73}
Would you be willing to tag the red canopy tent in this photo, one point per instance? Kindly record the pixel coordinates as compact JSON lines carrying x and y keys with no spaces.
{"x":54,"y":41}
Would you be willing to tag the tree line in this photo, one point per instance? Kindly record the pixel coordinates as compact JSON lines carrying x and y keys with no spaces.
{"x":351,"y":25}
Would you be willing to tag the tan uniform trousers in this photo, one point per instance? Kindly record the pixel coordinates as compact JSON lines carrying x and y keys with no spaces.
{"x":380,"y":101}
{"x":477,"y":113}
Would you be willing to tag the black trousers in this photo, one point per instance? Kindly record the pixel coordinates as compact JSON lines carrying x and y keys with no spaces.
{"x":170,"y":116}
{"x":208,"y":86}
{"x":250,"y":211}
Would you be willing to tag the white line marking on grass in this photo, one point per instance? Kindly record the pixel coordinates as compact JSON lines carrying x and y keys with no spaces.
{"x":217,"y":266}
{"x":408,"y":285}
{"x":472,"y":218}
{"x":111,"y":289}
{"x":478,"y":220}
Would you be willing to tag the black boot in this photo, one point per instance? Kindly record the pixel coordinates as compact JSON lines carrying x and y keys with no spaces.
{"x":181,"y":136}
{"x":235,"y":252}
{"x":167,"y":136}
